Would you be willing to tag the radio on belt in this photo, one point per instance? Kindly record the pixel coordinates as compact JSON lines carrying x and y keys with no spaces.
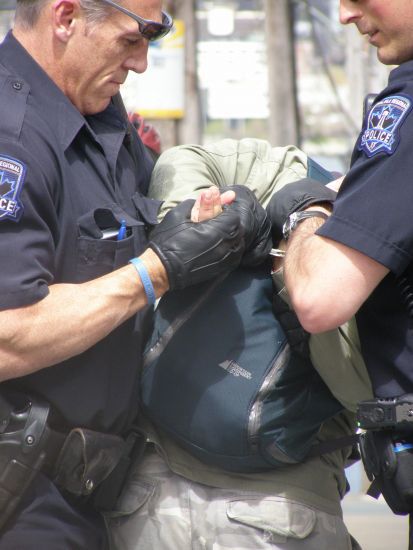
{"x":384,"y":413}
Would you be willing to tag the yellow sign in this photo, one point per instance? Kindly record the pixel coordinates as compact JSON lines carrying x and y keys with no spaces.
{"x":160,"y":91}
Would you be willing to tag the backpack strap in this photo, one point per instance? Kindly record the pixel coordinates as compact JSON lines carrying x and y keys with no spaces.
{"x":297,"y":337}
{"x":180,"y":319}
{"x":332,"y":445}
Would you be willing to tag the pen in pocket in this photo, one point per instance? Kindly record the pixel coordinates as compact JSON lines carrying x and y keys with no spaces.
{"x":122,"y":231}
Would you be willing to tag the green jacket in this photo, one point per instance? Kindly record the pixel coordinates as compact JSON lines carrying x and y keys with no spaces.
{"x":181,"y":173}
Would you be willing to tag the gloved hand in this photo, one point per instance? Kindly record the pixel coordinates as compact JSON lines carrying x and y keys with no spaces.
{"x":194,"y":252}
{"x":255,"y":223}
{"x":293,"y":197}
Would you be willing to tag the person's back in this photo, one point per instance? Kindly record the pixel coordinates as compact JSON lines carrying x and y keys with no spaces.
{"x":197,"y":502}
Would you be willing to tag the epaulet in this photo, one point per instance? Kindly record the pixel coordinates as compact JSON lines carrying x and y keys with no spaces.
{"x":13,"y":103}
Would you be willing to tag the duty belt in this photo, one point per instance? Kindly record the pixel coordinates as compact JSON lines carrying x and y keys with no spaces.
{"x":78,"y":462}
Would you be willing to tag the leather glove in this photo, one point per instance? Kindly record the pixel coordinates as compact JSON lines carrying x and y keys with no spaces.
{"x":194,"y":252}
{"x":255,"y":223}
{"x":293,"y":197}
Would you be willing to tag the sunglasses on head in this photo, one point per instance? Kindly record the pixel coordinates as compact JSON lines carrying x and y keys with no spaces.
{"x":151,"y":30}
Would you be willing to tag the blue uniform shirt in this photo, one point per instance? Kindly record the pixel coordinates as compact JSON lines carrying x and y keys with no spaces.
{"x":64,"y":178}
{"x":374,"y":215}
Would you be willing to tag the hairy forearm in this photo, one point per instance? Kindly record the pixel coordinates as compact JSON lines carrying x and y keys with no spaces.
{"x":308,"y":278}
{"x":72,"y":318}
{"x":303,"y":257}
{"x":326,"y":280}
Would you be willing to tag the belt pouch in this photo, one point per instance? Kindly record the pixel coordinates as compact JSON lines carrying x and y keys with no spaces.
{"x":388,"y":460}
{"x":86,"y":459}
{"x":108,"y":492}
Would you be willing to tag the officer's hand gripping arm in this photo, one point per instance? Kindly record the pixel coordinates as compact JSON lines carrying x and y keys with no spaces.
{"x":296,"y":196}
{"x":194,"y":252}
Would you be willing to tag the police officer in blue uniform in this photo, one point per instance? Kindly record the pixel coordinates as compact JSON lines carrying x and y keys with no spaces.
{"x":360,"y":259}
{"x":78,"y":272}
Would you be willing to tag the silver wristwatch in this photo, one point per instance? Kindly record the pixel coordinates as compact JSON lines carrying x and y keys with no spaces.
{"x":296,"y":217}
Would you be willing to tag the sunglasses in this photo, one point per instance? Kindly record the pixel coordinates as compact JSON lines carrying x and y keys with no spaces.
{"x":151,"y":30}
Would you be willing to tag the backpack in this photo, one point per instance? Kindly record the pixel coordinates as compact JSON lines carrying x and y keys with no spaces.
{"x":220,"y":378}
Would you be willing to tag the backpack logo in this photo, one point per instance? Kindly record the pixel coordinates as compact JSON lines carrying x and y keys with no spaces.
{"x":233,"y":368}
{"x":383,"y":125}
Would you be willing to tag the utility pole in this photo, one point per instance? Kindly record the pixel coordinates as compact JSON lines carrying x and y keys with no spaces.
{"x":189,"y":128}
{"x":284,"y":118}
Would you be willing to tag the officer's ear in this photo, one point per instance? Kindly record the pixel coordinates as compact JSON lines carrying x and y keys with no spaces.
{"x":65,"y":15}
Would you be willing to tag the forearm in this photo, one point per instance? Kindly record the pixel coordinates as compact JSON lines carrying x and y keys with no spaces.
{"x":326,"y":280}
{"x":303,"y":264}
{"x":72,"y":318}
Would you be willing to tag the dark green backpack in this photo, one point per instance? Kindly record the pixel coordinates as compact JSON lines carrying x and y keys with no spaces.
{"x":220,"y":378}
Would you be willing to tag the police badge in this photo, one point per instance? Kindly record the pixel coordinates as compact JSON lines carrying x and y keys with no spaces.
{"x":12,"y":173}
{"x":383,"y":124}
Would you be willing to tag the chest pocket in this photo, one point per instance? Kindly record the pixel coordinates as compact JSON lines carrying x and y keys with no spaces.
{"x":98,"y":249}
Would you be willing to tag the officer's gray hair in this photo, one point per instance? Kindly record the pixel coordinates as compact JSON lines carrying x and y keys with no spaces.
{"x":28,"y":11}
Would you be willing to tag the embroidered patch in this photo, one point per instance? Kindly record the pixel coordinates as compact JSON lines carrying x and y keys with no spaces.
{"x":12,"y":174}
{"x":383,"y":124}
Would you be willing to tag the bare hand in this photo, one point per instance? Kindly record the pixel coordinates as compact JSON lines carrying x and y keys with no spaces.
{"x":209,"y":204}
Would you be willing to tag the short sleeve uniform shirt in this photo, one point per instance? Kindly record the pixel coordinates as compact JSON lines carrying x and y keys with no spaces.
{"x":65,"y":181}
{"x":373,"y":214}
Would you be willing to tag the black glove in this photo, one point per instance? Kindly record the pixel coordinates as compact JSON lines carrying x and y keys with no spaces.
{"x":255,"y":223}
{"x":293,"y":197}
{"x":194,"y":252}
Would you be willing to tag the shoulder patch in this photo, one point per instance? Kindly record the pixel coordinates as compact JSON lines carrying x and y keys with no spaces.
{"x":12,"y":175}
{"x":383,"y":125}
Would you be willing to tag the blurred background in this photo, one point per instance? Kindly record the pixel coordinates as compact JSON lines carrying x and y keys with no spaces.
{"x":284,"y":71}
{"x":281,"y":70}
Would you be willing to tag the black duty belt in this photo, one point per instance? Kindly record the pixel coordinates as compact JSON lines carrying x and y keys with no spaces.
{"x":83,"y":462}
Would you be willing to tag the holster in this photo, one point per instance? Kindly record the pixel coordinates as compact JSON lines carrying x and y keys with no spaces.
{"x":388,"y":460}
{"x":27,"y":446}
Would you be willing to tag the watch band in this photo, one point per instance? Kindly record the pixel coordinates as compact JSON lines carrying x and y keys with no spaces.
{"x":296,"y":217}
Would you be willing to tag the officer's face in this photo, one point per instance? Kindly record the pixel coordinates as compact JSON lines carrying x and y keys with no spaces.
{"x":388,"y":24}
{"x":102,"y":55}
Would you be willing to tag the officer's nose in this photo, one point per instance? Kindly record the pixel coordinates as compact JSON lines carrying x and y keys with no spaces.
{"x":350,"y":12}
{"x":138,"y":60}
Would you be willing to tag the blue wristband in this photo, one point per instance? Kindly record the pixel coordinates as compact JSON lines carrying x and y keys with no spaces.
{"x":146,"y":280}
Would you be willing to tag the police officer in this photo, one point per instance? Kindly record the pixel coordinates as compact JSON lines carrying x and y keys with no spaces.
{"x":77,"y":272}
{"x":360,"y":258}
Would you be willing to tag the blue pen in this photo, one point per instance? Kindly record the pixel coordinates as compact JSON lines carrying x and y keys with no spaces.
{"x":122,"y":231}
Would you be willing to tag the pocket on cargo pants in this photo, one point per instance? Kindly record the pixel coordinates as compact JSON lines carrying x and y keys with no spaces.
{"x":289,"y":525}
